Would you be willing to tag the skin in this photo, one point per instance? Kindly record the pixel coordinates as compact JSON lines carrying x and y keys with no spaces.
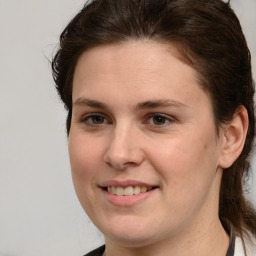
{"x":114,"y":135}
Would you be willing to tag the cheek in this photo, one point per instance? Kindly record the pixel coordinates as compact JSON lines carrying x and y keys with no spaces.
{"x":84,"y":156}
{"x":84,"y":165}
{"x":187,"y":164}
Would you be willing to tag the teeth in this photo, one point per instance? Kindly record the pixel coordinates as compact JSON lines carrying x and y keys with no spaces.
{"x":119,"y":191}
{"x":127,"y":191}
{"x":143,"y":189}
{"x":136,"y":190}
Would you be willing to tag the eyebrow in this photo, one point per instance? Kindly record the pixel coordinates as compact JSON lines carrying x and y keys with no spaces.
{"x":90,"y":103}
{"x":160,"y":103}
{"x":150,"y":104}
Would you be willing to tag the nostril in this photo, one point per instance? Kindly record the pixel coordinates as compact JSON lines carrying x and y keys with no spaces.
{"x":129,"y":164}
{"x":108,"y":163}
{"x":119,"y":165}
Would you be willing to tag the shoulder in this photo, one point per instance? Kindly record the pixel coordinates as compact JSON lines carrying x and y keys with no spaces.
{"x":97,"y":252}
{"x":250,"y":247}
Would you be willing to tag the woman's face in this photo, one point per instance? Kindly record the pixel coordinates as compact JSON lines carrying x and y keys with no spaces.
{"x":143,"y":146}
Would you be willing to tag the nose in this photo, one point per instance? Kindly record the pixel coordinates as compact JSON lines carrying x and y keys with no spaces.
{"x":123,"y":149}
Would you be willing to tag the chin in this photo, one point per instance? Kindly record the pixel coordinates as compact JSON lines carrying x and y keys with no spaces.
{"x":132,"y":239}
{"x":131,"y":232}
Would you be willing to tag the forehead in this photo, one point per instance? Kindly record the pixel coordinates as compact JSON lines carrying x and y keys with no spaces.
{"x":146,"y":53}
{"x":143,"y":69}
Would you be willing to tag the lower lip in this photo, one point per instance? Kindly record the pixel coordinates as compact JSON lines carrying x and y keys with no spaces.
{"x":127,"y":200}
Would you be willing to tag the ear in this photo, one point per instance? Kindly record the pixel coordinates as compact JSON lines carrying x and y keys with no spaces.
{"x":234,"y":135}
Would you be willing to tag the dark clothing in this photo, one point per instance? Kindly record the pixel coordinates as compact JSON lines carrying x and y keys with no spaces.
{"x":97,"y":252}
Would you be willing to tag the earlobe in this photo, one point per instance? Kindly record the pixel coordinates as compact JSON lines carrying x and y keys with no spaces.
{"x":234,"y":135}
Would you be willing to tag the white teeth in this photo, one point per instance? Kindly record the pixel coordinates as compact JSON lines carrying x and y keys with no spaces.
{"x":113,"y":190}
{"x":136,"y":190}
{"x":127,"y":191}
{"x":119,"y":191}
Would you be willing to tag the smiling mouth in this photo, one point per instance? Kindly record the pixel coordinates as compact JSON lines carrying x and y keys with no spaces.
{"x":128,"y":191}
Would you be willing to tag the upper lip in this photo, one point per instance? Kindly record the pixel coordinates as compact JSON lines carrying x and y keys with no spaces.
{"x":125,"y":183}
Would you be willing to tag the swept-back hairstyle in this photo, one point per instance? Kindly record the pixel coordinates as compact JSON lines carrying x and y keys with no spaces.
{"x":208,"y":36}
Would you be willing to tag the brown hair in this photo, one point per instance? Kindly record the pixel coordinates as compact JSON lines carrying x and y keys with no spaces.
{"x":208,"y":36}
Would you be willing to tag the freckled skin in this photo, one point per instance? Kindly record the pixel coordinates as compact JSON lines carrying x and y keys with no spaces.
{"x":181,"y":158}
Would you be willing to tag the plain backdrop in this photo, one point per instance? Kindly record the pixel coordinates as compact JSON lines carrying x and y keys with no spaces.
{"x":39,"y":212}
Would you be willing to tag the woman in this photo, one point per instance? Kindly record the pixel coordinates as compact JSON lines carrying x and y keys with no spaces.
{"x":160,"y":122}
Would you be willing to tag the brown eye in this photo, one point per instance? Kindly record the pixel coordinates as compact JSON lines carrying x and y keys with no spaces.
{"x":96,"y":119}
{"x":159,"y":120}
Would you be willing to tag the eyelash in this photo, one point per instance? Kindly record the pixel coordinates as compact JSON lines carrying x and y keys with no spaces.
{"x":85,"y":119}
{"x":88,"y":120}
{"x":164,"y":118}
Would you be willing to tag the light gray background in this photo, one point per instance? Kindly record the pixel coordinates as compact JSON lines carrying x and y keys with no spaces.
{"x":39,"y":212}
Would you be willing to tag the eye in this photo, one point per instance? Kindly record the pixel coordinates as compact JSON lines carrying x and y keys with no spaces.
{"x":159,"y":120}
{"x":94,"y":119}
